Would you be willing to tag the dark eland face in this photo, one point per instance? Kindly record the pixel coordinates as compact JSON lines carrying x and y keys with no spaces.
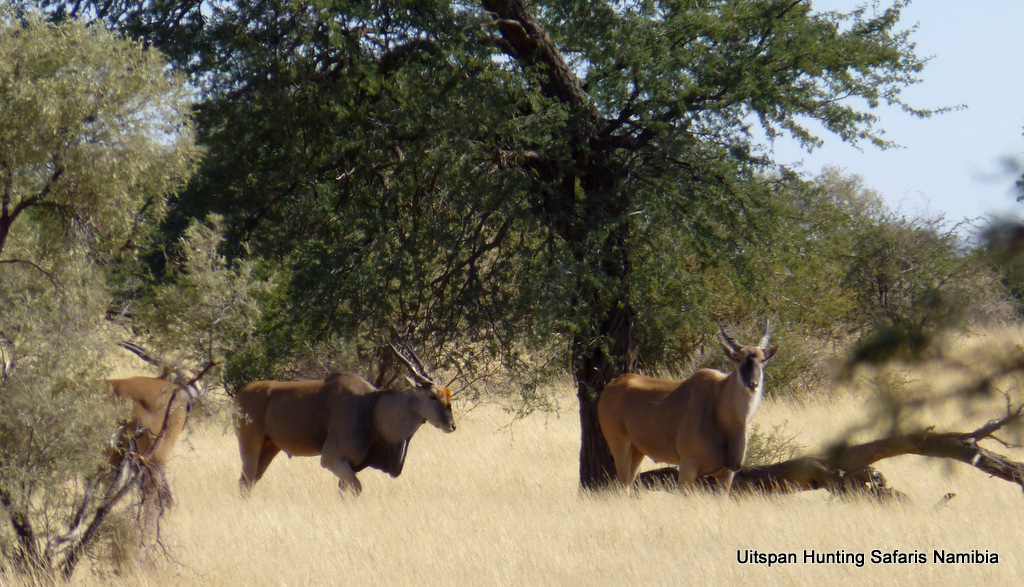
{"x":435,"y":401}
{"x":751,"y":366}
{"x":750,"y":362}
{"x":436,"y":404}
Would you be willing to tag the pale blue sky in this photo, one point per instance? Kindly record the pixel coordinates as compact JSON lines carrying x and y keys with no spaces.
{"x":953,"y":163}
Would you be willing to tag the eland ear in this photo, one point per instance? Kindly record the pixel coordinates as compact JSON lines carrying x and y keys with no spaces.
{"x":769,"y":353}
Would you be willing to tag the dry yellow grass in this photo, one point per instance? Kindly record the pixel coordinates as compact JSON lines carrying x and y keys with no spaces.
{"x":495,"y":503}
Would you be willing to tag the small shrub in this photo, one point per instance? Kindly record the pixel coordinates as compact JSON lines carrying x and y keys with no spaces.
{"x":773,"y":446}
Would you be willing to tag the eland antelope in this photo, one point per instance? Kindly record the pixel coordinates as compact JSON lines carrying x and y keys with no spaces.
{"x":344,"y":419}
{"x":159,"y":411}
{"x":160,"y":406}
{"x":699,"y":424}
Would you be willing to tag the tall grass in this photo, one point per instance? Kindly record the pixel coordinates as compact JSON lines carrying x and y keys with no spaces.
{"x":497,"y":502}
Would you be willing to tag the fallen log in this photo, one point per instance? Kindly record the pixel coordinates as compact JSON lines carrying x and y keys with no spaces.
{"x":846,"y":469}
{"x":795,"y":475}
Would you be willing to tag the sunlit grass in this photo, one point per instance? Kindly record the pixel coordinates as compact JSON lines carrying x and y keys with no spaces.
{"x":498,"y":502}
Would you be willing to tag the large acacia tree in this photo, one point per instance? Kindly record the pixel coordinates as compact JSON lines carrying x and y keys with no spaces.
{"x":489,"y":177}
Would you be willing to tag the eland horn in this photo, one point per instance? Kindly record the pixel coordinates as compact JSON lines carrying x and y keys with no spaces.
{"x":416,"y":369}
{"x":728,"y":339}
{"x":763,"y":343}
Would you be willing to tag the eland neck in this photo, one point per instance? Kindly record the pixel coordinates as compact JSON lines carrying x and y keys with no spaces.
{"x":395,"y":416}
{"x":738,"y":401}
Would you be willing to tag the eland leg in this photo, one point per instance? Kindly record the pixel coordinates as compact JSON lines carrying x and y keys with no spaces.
{"x":723,"y":479}
{"x":687,"y":474}
{"x":735,"y":452}
{"x":347,"y":480}
{"x":249,"y":447}
{"x":635,"y":458}
{"x":267,"y":454}
{"x":627,"y":462}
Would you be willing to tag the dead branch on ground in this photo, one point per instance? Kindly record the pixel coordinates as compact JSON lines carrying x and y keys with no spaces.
{"x":847,"y":469}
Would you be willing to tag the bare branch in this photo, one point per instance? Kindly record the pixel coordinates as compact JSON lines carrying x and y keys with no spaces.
{"x":49,"y":275}
{"x":993,"y":426}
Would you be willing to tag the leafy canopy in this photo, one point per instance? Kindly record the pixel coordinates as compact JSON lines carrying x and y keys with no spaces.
{"x":484,"y":178}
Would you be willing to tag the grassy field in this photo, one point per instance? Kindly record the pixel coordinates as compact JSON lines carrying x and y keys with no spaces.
{"x":497,"y":502}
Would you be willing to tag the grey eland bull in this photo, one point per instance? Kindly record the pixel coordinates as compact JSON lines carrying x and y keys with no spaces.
{"x":344,"y":419}
{"x":700,"y":424}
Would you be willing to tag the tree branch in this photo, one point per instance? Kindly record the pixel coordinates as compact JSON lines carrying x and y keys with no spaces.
{"x":400,"y":55}
{"x":8,"y":216}
{"x":22,"y":529}
{"x":49,"y":275}
{"x":530,"y":44}
{"x":847,"y":469}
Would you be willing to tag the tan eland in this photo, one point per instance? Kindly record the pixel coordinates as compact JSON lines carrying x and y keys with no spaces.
{"x":159,"y":406}
{"x":700,"y":424}
{"x":159,"y":411}
{"x":344,"y":419}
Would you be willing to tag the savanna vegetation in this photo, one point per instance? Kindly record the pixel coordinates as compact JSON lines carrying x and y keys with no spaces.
{"x":520,"y":191}
{"x":498,"y":502}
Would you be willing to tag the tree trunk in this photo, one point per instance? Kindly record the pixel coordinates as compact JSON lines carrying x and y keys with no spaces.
{"x":597,"y":468}
{"x":794,"y":475}
{"x":581,"y":191}
{"x":596,"y":366}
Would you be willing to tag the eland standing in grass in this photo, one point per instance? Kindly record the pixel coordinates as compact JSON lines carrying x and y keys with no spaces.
{"x":344,"y":419}
{"x":159,"y":412}
{"x":700,"y":424}
{"x":160,"y":406}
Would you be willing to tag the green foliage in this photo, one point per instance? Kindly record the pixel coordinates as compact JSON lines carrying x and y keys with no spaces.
{"x":490,"y":182}
{"x":911,"y":279}
{"x":380,"y":206}
{"x":809,"y":250}
{"x":845,"y":268}
{"x":56,"y":418}
{"x":833,"y":266}
{"x":897,"y":265}
{"x":91,"y":131}
{"x":94,"y":138}
{"x":408,"y":170}
{"x":208,"y":307}
{"x":1000,"y":249}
